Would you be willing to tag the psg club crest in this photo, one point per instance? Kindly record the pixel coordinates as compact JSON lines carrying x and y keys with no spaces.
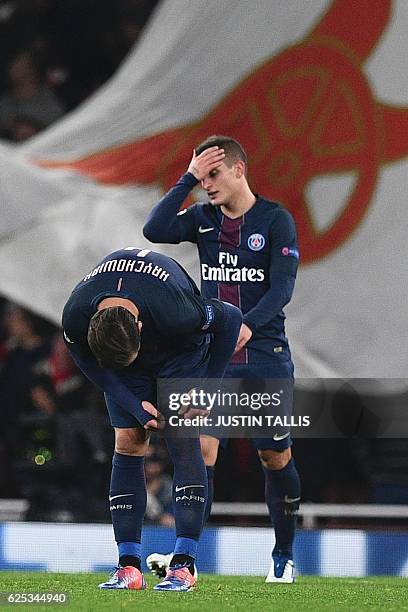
{"x":256,"y":242}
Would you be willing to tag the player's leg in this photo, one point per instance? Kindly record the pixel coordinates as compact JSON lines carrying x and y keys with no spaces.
{"x":282,"y":483}
{"x":190,"y":487}
{"x":282,"y":495}
{"x":189,"y":499}
{"x":159,"y":563}
{"x":127,"y":497}
{"x":127,"y":493}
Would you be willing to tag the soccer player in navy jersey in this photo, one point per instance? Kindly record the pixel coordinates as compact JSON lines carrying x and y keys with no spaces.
{"x":135,"y":318}
{"x":248,"y":257}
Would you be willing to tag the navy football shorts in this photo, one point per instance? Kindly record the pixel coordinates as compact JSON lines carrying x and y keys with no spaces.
{"x":280,"y":366}
{"x":189,"y":364}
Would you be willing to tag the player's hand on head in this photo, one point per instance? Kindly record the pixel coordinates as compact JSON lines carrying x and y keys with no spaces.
{"x":155,"y":424}
{"x":245,"y":334}
{"x":208,"y":160}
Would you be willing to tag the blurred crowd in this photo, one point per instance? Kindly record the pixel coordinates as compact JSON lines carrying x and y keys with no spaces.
{"x":56,"y":53}
{"x":56,"y":443}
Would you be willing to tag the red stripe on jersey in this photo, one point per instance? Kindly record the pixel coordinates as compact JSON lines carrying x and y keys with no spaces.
{"x":229,"y":239}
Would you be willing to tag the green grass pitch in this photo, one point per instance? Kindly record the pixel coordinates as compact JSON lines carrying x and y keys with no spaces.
{"x":214,"y":593}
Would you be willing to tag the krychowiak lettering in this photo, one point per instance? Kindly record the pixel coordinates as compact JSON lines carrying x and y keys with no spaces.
{"x":129,"y":265}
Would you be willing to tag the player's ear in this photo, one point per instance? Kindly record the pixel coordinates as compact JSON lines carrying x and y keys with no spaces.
{"x":139,"y":325}
{"x":239,"y":168}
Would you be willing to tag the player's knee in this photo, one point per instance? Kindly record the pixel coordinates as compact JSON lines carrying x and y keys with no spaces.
{"x":209,"y":449}
{"x":131,"y":441}
{"x":275,"y":460}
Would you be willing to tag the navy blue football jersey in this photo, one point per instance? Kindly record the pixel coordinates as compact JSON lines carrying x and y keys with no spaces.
{"x":176,"y":320}
{"x":250,"y":261}
{"x":173,"y":313}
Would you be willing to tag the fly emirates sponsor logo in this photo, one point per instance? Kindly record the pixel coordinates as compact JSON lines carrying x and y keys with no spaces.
{"x":228,"y":270}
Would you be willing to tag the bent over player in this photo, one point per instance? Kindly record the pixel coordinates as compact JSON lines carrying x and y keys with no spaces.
{"x":136,"y":317}
{"x":248,"y":257}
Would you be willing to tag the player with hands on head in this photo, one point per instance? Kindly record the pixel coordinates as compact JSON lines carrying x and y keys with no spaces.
{"x":249,"y":257}
{"x":135,"y":318}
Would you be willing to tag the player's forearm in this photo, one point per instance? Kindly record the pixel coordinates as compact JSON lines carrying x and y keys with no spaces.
{"x":163,"y":224}
{"x":224,"y":341}
{"x":110,"y":384}
{"x":272,"y":303}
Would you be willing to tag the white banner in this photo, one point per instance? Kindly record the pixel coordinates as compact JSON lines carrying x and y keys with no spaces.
{"x":316,"y":91}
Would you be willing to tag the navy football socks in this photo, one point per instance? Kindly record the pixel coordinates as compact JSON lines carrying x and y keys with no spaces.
{"x":189,"y":493}
{"x":282,"y":495}
{"x":127,"y":497}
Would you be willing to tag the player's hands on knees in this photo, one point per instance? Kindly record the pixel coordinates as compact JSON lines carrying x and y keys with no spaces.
{"x":208,"y":160}
{"x":155,"y":424}
{"x":245,"y":334}
{"x":190,"y":411}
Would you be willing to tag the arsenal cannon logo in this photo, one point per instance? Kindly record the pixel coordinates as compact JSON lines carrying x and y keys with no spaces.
{"x":306,"y":112}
